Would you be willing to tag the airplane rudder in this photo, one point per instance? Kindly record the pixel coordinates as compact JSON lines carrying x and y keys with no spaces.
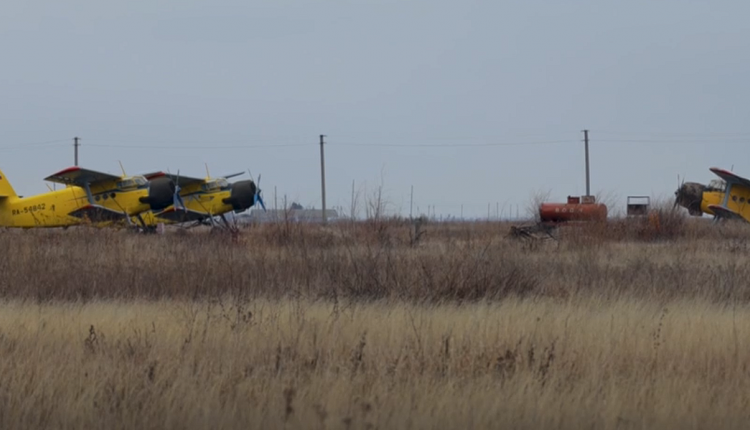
{"x":6,"y":190}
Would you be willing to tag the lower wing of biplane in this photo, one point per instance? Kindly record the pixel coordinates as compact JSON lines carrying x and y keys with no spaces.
{"x":180,"y":215}
{"x":96,"y":213}
{"x":722,"y":212}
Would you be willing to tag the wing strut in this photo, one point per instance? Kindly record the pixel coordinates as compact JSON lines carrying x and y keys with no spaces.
{"x":726,"y":194}
{"x":89,"y":196}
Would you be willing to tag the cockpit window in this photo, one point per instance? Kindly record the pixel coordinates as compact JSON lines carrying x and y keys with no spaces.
{"x":126,"y":183}
{"x":215,"y":185}
{"x":717,"y":185}
{"x":136,"y":181}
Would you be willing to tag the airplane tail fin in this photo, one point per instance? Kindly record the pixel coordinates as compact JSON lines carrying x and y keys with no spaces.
{"x":6,"y":190}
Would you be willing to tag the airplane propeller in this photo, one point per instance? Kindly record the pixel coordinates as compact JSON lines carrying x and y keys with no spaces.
{"x":257,"y":198}
{"x":689,"y":195}
{"x":177,"y":201}
{"x":677,"y":194}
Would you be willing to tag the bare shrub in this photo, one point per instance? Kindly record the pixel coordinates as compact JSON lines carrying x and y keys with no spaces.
{"x":536,"y":199}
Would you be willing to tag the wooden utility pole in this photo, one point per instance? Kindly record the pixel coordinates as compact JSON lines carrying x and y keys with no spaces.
{"x":75,"y":149}
{"x":588,"y":177}
{"x":323,"y":176}
{"x":411,"y":203}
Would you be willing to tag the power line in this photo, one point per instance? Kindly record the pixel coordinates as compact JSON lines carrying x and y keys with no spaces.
{"x":670,"y":134}
{"x":341,"y":144}
{"x":44,"y":142}
{"x":35,"y":146}
{"x":681,"y":141}
{"x":416,"y":145}
{"x":168,"y":141}
{"x":449,"y":145}
{"x":688,"y":138}
{"x":282,"y":145}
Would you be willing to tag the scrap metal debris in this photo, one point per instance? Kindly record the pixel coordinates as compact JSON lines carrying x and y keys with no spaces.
{"x":534,"y":232}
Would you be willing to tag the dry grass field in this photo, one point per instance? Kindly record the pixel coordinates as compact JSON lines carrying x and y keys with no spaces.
{"x":365,"y":326}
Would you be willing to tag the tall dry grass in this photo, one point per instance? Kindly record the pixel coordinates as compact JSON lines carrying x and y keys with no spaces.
{"x":586,"y":363}
{"x":380,"y":261}
{"x":632,"y":324}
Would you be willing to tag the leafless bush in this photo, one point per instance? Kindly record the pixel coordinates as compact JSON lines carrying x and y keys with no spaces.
{"x":532,"y":207}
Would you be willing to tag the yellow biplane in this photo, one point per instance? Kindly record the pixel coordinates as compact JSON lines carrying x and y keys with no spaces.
{"x":89,"y":196}
{"x":200,"y":200}
{"x":725,"y":198}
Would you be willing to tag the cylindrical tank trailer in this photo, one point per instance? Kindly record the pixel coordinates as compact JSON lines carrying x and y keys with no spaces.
{"x":574,"y":210}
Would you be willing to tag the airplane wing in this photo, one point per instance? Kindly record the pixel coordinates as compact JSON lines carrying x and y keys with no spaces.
{"x":181,"y":215}
{"x":232,"y":175}
{"x":723,"y":212}
{"x":80,"y":177}
{"x":98,"y":213}
{"x":184,"y":181}
{"x":730,"y":177}
{"x":153,"y":175}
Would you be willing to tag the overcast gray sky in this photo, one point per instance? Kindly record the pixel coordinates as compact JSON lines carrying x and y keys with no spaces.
{"x":662,"y":85}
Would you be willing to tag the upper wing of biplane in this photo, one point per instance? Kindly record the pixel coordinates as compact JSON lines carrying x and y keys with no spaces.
{"x":730,"y":177}
{"x":153,"y":175}
{"x":184,"y":185}
{"x":185,"y":180}
{"x":81,"y":177}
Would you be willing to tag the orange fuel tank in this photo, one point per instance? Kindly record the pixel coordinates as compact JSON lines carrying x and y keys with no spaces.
{"x":572,"y":211}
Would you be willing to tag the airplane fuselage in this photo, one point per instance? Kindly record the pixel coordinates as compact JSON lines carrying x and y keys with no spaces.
{"x":52,"y":209}
{"x":737,"y":200}
{"x":209,"y":203}
{"x":710,"y":198}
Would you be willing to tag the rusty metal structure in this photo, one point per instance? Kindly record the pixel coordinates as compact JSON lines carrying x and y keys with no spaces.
{"x":576,"y":209}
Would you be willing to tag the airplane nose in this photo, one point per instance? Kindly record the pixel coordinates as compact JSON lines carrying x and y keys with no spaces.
{"x":690,"y":196}
{"x":242,"y":194}
{"x":160,"y":193}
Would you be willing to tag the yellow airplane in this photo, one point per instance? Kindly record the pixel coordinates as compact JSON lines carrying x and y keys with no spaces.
{"x":201,"y":200}
{"x":89,"y":196}
{"x":726,"y":198}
